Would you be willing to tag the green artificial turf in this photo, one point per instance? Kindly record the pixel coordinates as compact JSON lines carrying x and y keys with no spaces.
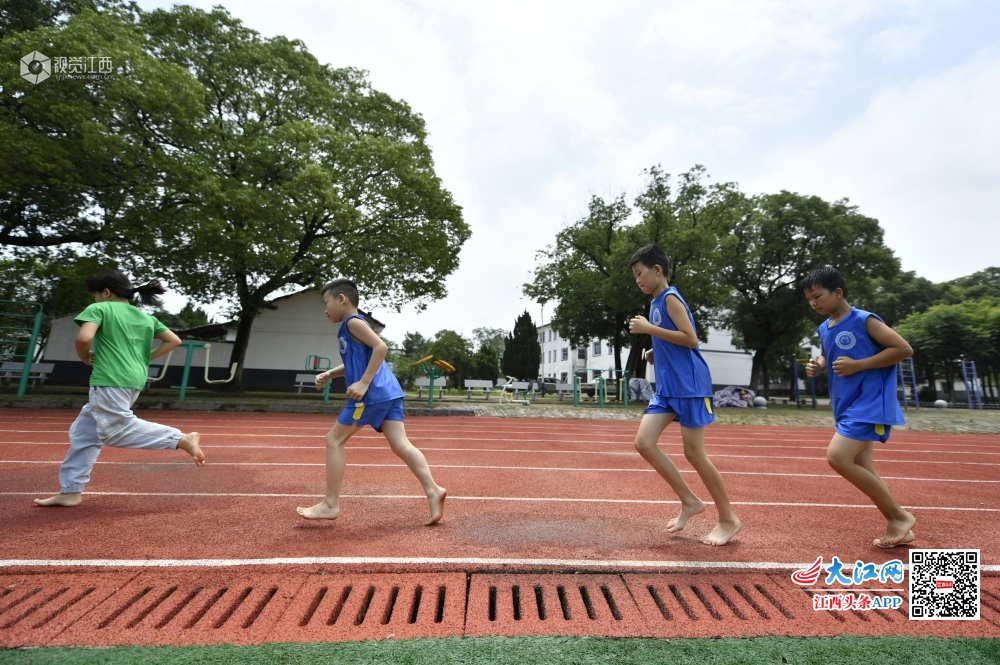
{"x":554,"y":650}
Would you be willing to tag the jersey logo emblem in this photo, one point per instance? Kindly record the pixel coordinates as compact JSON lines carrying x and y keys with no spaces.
{"x":657,"y":317}
{"x":343,"y":345}
{"x":845,"y":340}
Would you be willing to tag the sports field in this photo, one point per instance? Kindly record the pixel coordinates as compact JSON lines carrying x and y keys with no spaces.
{"x":552,"y":527}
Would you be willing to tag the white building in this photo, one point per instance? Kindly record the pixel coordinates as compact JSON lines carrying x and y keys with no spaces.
{"x":559,"y":361}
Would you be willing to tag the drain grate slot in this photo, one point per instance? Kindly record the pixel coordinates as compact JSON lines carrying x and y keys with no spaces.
{"x":732,"y":606}
{"x":146,"y":612}
{"x":232,"y":609}
{"x":121,"y":610}
{"x":659,"y":602}
{"x":611,"y":603}
{"x":683,"y":603}
{"x":363,"y":612}
{"x":515,"y":594}
{"x":180,"y":606}
{"x":439,"y":613}
{"x":313,"y":606}
{"x":771,"y":599}
{"x":540,"y":602}
{"x":209,"y":605}
{"x":415,"y":608}
{"x":493,"y":604}
{"x":564,"y":603}
{"x":20,"y":600}
{"x":260,"y":607}
{"x":387,"y":616}
{"x":339,"y":607}
{"x":65,"y":607}
{"x":34,"y":608}
{"x":751,"y":602}
{"x":704,"y":601}
{"x":585,"y":595}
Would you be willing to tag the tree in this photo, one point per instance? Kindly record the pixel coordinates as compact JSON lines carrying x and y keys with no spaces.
{"x":776,"y":241}
{"x":415,"y":346}
{"x":189,"y":317}
{"x":522,"y":352}
{"x":484,"y":364}
{"x":296,"y":172}
{"x":25,"y":15}
{"x":982,"y":284}
{"x":897,"y":297}
{"x":448,"y":345}
{"x":492,"y":339}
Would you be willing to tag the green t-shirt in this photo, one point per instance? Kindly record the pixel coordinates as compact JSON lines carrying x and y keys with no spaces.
{"x":122,"y":345}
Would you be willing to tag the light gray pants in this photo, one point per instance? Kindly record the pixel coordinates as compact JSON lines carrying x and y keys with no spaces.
{"x":107,"y":420}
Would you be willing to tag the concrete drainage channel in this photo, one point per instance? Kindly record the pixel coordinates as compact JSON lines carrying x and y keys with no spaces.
{"x":216,"y":606}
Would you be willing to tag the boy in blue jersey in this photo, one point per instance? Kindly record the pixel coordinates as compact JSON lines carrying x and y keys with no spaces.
{"x":683,"y":393}
{"x":374,"y":398}
{"x":863,"y":352}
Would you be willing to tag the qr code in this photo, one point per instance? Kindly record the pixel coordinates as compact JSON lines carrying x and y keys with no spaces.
{"x":944,"y":584}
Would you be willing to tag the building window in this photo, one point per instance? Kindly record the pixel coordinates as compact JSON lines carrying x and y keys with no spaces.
{"x":597,"y":348}
{"x":562,"y":377}
{"x":565,"y":354}
{"x":581,"y":354}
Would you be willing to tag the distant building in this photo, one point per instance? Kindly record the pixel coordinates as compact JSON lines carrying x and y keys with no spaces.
{"x":289,"y":329}
{"x":728,"y":365}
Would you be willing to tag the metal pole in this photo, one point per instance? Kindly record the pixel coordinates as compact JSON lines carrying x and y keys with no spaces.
{"x":795,"y":380}
{"x":812,"y":385}
{"x":600,"y":390}
{"x":430,"y":390}
{"x":625,"y":387}
{"x":576,"y":389}
{"x":187,"y":368}
{"x":326,"y":393}
{"x":29,"y":355}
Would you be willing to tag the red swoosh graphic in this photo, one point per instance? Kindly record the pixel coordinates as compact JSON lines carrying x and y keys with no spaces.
{"x":808,"y":576}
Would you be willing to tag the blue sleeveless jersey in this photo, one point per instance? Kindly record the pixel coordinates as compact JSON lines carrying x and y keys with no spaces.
{"x":680,"y":371}
{"x":356,"y":356}
{"x":868,"y":396}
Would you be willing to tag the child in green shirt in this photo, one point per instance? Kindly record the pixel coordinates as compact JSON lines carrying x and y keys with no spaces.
{"x":122,"y":336}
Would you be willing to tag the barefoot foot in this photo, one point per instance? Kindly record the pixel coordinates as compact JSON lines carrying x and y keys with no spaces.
{"x":897,"y":532}
{"x":68,"y":500}
{"x":189,"y":444}
{"x":321,"y":511}
{"x":723,"y":532}
{"x":687,"y":512}
{"x":436,"y":500}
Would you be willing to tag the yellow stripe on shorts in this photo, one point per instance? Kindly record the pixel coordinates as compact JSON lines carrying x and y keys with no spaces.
{"x":708,"y":404}
{"x":358,"y":410}
{"x":880,"y":430}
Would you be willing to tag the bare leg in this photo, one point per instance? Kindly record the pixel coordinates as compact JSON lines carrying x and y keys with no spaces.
{"x":650,"y":428}
{"x":189,"y":444}
{"x":694,"y":450}
{"x":843,"y":456}
{"x":336,"y":463}
{"x":395,"y":434}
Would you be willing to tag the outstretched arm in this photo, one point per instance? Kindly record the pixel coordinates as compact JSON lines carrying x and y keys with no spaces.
{"x":896,"y":349}
{"x":363,"y":333}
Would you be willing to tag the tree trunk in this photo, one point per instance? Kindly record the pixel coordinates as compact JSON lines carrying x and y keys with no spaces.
{"x":246,"y":320}
{"x":636,"y":363}
{"x":759,"y":360}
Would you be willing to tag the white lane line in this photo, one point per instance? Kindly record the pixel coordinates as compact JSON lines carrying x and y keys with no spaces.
{"x":616,"y":564}
{"x":524,"y":499}
{"x":510,"y":468}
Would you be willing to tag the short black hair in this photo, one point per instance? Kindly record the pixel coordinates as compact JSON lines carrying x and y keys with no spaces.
{"x":335,"y":287}
{"x":649,"y":256}
{"x":119,"y":284}
{"x":826,"y":277}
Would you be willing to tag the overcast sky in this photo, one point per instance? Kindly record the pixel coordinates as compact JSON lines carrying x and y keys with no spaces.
{"x":532,"y":107}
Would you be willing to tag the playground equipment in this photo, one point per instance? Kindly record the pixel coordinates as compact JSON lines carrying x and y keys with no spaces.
{"x":432,"y":370}
{"x":907,"y":376}
{"x":508,"y":393}
{"x":600,"y":391}
{"x":320,"y":364}
{"x":971,"y":381}
{"x":191,"y":345}
{"x":795,"y":381}
{"x":9,"y":345}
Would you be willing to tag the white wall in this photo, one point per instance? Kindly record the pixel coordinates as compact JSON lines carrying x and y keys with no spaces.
{"x":282,"y":338}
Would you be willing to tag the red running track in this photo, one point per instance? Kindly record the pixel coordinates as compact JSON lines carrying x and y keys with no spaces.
{"x":560,"y":490}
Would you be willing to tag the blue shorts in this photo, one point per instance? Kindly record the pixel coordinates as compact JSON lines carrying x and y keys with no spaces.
{"x":360,"y":415}
{"x":863,"y":431}
{"x":690,"y":411}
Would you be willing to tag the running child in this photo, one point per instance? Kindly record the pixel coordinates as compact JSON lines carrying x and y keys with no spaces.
{"x":374,"y":398}
{"x":122,"y":336}
{"x":863,"y":352}
{"x":683,"y":393}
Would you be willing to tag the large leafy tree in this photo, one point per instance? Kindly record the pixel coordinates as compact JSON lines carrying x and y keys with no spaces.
{"x":776,"y":241}
{"x":297,"y":171}
{"x":522,"y":352}
{"x":452,"y":347}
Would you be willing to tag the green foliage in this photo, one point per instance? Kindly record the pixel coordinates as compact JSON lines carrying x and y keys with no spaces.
{"x":776,"y":241}
{"x":484,"y":364}
{"x":897,"y":297}
{"x":494,"y":338}
{"x":448,"y":345}
{"x":24,"y":15}
{"x":982,"y":284}
{"x":522,"y":352}
{"x":189,"y":317}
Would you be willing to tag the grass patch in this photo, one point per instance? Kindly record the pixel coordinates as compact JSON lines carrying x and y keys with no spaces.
{"x":549,"y":650}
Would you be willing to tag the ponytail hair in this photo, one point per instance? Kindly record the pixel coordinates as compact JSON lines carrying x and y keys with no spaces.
{"x":118,"y":283}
